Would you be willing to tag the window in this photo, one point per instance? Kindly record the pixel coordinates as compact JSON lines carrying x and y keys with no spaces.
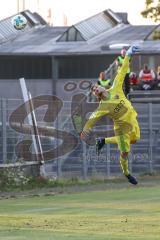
{"x":83,"y":66}
{"x":30,"y":67}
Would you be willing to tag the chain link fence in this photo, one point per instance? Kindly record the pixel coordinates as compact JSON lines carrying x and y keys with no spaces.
{"x":65,"y":154}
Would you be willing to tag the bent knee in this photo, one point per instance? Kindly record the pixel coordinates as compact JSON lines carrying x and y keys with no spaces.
{"x":124,"y":154}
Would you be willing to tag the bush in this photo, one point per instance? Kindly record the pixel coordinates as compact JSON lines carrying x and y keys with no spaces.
{"x":12,"y":178}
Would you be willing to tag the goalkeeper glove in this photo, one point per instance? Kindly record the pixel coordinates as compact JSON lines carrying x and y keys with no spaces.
{"x":85,"y":135}
{"x":133,"y":49}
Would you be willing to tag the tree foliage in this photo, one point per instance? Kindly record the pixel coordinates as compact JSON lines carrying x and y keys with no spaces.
{"x":152,"y":10}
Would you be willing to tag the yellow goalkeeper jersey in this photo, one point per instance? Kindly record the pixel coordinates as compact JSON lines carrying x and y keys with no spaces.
{"x":116,"y":106}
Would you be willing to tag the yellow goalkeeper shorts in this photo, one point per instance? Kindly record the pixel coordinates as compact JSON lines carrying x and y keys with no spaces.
{"x":126,"y":139}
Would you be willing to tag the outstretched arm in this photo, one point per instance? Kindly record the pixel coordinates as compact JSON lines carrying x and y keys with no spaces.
{"x":93,"y":119}
{"x":119,"y":79}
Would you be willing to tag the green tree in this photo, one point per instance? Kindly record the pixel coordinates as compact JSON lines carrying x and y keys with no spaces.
{"x":152,"y":10}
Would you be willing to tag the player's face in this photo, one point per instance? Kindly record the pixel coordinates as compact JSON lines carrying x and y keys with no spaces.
{"x":123,"y":52}
{"x":98,"y":91}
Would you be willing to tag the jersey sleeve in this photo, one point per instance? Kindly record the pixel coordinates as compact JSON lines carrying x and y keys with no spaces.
{"x":94,"y":117}
{"x":119,"y":79}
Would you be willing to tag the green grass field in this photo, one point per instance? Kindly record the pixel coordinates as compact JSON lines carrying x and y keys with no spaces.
{"x":131,"y":213}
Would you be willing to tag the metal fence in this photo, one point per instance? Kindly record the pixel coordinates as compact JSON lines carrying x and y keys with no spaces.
{"x":65,"y":154}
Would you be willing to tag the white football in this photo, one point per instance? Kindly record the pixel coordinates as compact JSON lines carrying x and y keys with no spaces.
{"x":19,"y":22}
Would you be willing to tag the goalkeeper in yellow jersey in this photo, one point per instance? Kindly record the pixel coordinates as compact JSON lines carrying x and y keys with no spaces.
{"x":115,"y":105}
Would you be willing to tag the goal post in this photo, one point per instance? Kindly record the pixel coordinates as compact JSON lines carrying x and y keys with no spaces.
{"x":33,"y":122}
